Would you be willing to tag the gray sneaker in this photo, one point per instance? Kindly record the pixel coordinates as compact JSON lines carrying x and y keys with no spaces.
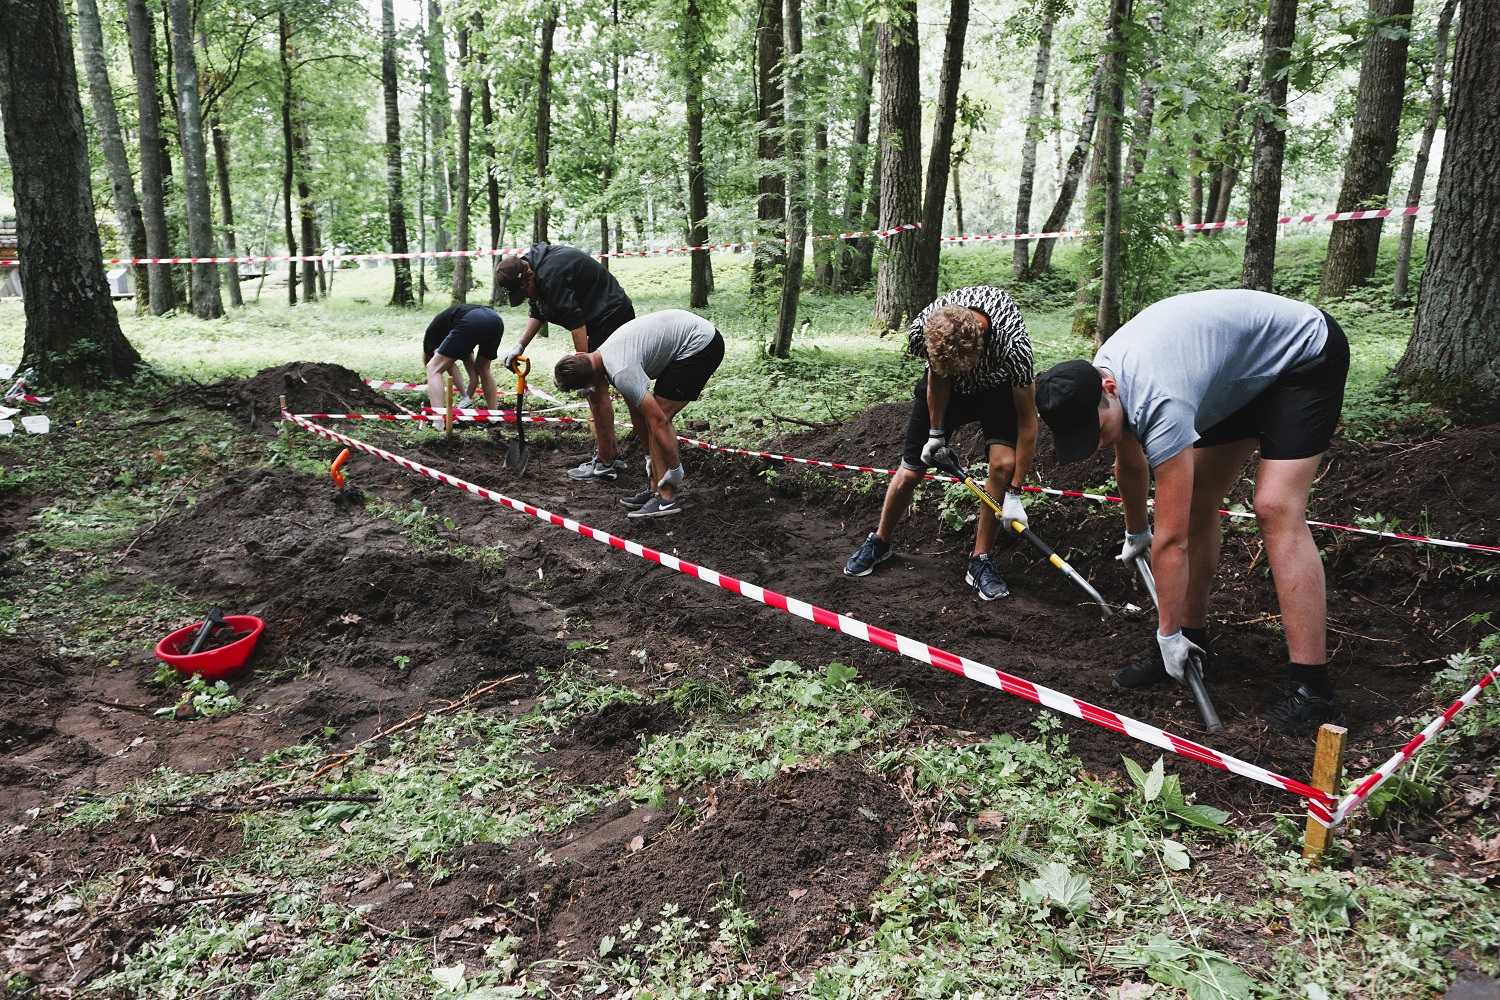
{"x":657,"y":506}
{"x":985,"y":578}
{"x":595,"y":469}
{"x":638,"y":500}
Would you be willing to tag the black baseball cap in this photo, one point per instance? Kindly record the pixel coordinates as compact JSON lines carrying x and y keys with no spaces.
{"x":1067,"y":397}
{"x":511,"y":274}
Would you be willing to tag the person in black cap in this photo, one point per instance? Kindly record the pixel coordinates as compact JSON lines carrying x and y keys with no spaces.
{"x":979,"y":370}
{"x":1185,"y":393}
{"x":570,"y":288}
{"x":468,"y":335}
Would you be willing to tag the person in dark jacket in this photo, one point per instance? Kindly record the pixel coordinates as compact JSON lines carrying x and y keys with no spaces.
{"x":570,"y":288}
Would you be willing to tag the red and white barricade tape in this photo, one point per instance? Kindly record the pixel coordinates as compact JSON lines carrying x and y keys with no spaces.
{"x":1319,"y":810}
{"x":872,"y":634}
{"x":26,"y":399}
{"x":375,"y":383}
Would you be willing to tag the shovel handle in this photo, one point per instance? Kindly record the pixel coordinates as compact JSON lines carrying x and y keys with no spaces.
{"x":335,"y":471}
{"x":1195,"y":670}
{"x":214,"y":620}
{"x":522,"y":367}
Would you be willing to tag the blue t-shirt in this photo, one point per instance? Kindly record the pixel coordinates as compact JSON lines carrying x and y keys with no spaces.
{"x":1187,"y":362}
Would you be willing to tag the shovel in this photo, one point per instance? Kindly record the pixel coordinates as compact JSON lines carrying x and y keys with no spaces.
{"x":958,"y":472}
{"x":1194,"y":671}
{"x":518,"y":453}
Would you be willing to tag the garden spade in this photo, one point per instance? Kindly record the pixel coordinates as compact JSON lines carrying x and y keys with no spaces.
{"x":958,"y":472}
{"x":1195,"y":669}
{"x":518,"y":453}
{"x":213,"y":622}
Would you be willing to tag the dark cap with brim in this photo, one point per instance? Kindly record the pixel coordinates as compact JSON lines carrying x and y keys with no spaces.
{"x":510,"y":275}
{"x":1067,"y":397}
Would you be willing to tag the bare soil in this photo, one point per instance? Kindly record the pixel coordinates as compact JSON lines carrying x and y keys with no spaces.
{"x":362,"y":630}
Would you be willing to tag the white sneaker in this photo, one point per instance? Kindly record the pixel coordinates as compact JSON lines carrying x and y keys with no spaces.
{"x":595,"y":469}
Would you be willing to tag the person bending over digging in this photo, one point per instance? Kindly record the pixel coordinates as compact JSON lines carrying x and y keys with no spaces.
{"x":570,"y":288}
{"x":680,"y":351}
{"x":1185,"y":392}
{"x":978,"y":369}
{"x":454,"y":337}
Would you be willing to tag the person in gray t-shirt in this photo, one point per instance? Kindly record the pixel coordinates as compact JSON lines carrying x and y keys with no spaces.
{"x":678,"y":349}
{"x":1185,"y":393}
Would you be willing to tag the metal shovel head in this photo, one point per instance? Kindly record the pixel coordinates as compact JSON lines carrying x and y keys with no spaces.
{"x":516,"y":456}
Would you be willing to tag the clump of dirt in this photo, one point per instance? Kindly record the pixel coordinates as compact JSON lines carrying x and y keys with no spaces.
{"x":308,"y":388}
{"x":600,"y":748}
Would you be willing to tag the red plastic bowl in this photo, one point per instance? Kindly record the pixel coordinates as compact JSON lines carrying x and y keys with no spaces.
{"x":214,"y":663}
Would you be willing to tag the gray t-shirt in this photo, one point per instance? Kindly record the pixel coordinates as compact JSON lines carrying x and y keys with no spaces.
{"x":641,"y":349}
{"x":1187,"y":362}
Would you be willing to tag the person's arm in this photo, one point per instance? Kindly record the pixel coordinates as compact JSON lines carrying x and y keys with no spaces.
{"x":581,"y":339}
{"x":663,"y":436}
{"x":1026,"y":430}
{"x":1134,"y":478}
{"x":1169,"y":548}
{"x":939,"y":391}
{"x":533,"y":327}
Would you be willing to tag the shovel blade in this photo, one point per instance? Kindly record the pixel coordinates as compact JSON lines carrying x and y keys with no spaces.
{"x":516,"y":457}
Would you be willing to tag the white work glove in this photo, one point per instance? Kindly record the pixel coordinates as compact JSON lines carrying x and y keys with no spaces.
{"x":509,"y":361}
{"x":1136,"y":545}
{"x":936,"y":451}
{"x":672,"y":478}
{"x":1012,"y":509}
{"x":1177,"y":651}
{"x":587,"y":392}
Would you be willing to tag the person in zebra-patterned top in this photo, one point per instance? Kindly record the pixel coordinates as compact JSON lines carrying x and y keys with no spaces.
{"x":979,"y":369}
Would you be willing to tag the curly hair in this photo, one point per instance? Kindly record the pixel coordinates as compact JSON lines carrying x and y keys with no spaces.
{"x":573,"y":371}
{"x":954,"y":340}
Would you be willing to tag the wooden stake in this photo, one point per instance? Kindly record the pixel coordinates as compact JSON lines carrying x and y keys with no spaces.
{"x":282,"y":419}
{"x":448,"y":404}
{"x":1328,"y":773}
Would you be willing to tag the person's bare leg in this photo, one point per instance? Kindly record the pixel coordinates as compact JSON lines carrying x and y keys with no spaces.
{"x":660,"y":461}
{"x":1002,"y":468}
{"x":897,"y":500}
{"x":487,"y":382}
{"x":603,"y":413}
{"x":1281,"y":491}
{"x":1214,"y":471}
{"x":436,"y":366}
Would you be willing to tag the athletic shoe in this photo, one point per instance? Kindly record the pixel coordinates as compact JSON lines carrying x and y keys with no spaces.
{"x":985,"y":578}
{"x":1149,"y":670}
{"x":1300,"y":710}
{"x":595,"y":469}
{"x":657,"y":506}
{"x":638,"y":500}
{"x":866,"y":557}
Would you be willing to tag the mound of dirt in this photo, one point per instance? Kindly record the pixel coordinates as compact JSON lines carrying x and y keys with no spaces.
{"x":308,"y":388}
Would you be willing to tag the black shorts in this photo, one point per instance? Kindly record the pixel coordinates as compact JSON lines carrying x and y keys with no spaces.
{"x":1296,"y":415}
{"x":994,"y":409}
{"x":683,"y":380}
{"x":599,"y":332}
{"x":479,"y":328}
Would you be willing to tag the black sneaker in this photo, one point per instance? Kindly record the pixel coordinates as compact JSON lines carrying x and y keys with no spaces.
{"x":985,"y":578}
{"x":1300,"y":710}
{"x":638,"y":500}
{"x":657,"y":506}
{"x":1145,"y":672}
{"x":867,"y":556}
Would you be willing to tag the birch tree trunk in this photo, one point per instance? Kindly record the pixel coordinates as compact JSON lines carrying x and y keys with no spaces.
{"x":939,"y":158}
{"x":1041,"y":260}
{"x":207,"y":303}
{"x":142,"y":31}
{"x":896,"y":296}
{"x":1424,"y":149}
{"x":1268,"y":146}
{"x":1021,"y":253}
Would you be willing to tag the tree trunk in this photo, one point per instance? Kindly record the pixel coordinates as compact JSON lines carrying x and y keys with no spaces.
{"x":395,"y":196}
{"x":1454,"y":351}
{"x":112,"y":143}
{"x":1041,"y":261}
{"x":1268,"y":146}
{"x":311,"y":245}
{"x":1145,"y":104}
{"x":439,"y":110}
{"x":1086,"y":290}
{"x":850,"y":252}
{"x":796,"y":194}
{"x":153,"y":155}
{"x":958,"y":199}
{"x":939,"y":158}
{"x":770,"y":185}
{"x":1424,"y":149}
{"x":1354,"y":245}
{"x":73,"y":336}
{"x":696,"y":59}
{"x":1110,"y":130}
{"x":1020,"y":258}
{"x":544,"y":123}
{"x":288,"y":147}
{"x":1195,"y":182}
{"x":207,"y":304}
{"x":226,"y":209}
{"x":896,"y":293}
{"x":465,"y":113}
{"x":614,"y":133}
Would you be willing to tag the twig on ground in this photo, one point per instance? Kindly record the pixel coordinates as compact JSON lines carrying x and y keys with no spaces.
{"x":285,"y":800}
{"x":799,"y":420}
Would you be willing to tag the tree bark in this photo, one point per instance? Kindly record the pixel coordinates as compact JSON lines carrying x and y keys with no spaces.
{"x":1454,"y":351}
{"x":614,"y":133}
{"x":1354,"y":245}
{"x":939,"y":158}
{"x":1041,"y":260}
{"x":1268,"y":146}
{"x":796,"y":195}
{"x":439,"y":110}
{"x":1021,"y":253}
{"x":112,"y":143}
{"x":896,"y":294}
{"x":1424,"y":150}
{"x":852,"y":266}
{"x":206,"y":301}
{"x":696,"y":58}
{"x":1145,"y":104}
{"x":544,"y":124}
{"x":465,"y":113}
{"x":142,"y":31}
{"x":306,"y":212}
{"x":395,"y":196}
{"x":1110,"y":129}
{"x":288,"y":147}
{"x":770,"y":185}
{"x":1195,"y":182}
{"x":226,"y":207}
{"x":73,"y":336}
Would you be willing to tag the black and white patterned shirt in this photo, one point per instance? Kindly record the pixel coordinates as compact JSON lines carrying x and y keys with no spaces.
{"x":1006,"y":360}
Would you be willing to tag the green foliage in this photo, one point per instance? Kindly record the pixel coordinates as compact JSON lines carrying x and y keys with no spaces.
{"x":202,"y":700}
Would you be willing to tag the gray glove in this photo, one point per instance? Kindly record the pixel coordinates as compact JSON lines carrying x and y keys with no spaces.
{"x":936,"y":451}
{"x":673,"y":478}
{"x":1136,"y":545}
{"x":1012,"y":509}
{"x":587,"y":392}
{"x":509,"y":361}
{"x":1177,"y":652}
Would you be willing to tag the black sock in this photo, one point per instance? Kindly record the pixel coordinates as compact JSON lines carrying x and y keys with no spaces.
{"x":1196,"y":636}
{"x":1314,"y":676}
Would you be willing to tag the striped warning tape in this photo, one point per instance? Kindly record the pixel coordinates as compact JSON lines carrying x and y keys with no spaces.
{"x":893,"y":641}
{"x":375,"y":383}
